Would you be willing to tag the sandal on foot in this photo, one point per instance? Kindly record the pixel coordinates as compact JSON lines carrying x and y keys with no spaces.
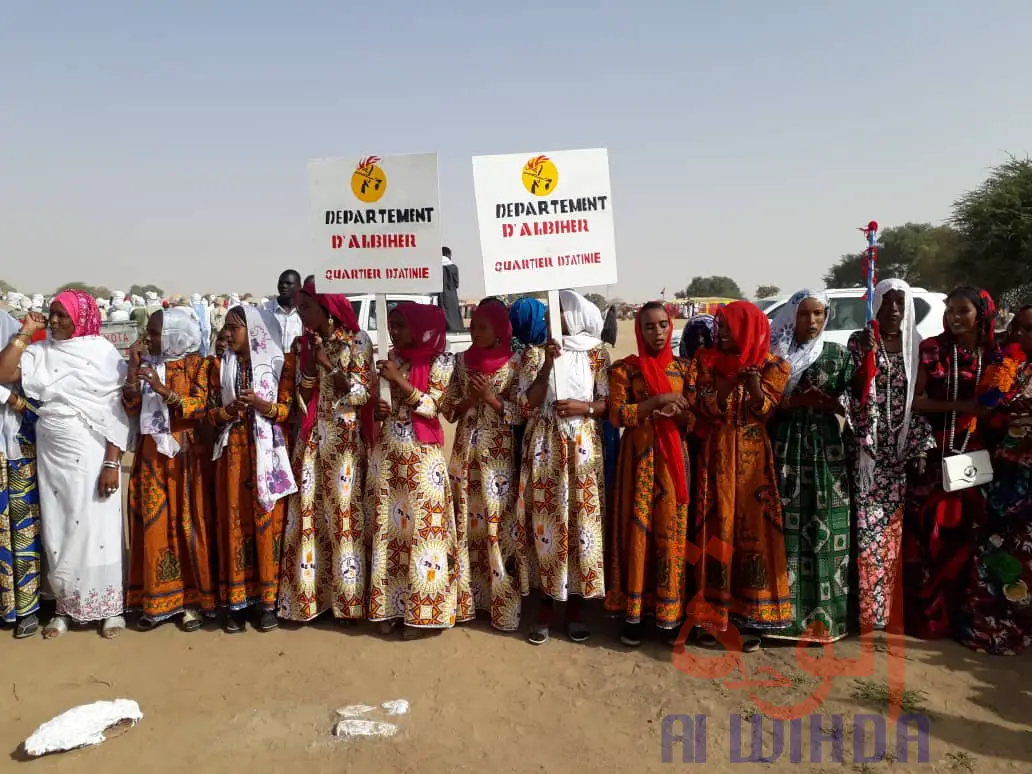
{"x":750,"y":643}
{"x":414,"y":633}
{"x":57,"y":626}
{"x":268,"y":622}
{"x":27,"y":627}
{"x":112,"y":627}
{"x":538,"y":634}
{"x":191,"y":621}
{"x":234,"y":624}
{"x":577,"y":631}
{"x":388,"y":627}
{"x":145,"y":624}
{"x":630,"y":635}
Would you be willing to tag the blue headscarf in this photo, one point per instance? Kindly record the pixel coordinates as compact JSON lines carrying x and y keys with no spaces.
{"x":527,"y":316}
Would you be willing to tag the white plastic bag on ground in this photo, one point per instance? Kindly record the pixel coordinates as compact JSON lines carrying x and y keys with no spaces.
{"x":353,"y":724}
{"x":81,"y":726}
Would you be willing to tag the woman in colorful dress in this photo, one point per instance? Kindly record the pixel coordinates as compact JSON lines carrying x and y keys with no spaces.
{"x":741,"y":567}
{"x":76,"y":378}
{"x":324,"y":562}
{"x":648,"y":528}
{"x":937,"y":529}
{"x":19,"y":504}
{"x":813,"y":475}
{"x":561,"y":486}
{"x":484,"y":479}
{"x":171,"y":514}
{"x":890,"y":438}
{"x":995,"y":612}
{"x":419,"y":569}
{"x":251,"y":393}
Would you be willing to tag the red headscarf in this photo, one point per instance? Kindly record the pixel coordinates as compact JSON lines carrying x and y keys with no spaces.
{"x":82,"y":308}
{"x":340,"y":309}
{"x":653,"y":370}
{"x":489,"y":360}
{"x":750,"y":329}
{"x":428,"y":331}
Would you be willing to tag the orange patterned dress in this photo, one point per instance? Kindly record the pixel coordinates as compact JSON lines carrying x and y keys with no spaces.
{"x":484,"y":484}
{"x":171,"y":512}
{"x":249,"y":542}
{"x":562,"y":489}
{"x":648,"y":530}
{"x":741,"y":567}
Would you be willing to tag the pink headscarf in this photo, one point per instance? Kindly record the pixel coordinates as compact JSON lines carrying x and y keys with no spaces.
{"x":427,"y":328}
{"x":82,"y":308}
{"x":338,"y":307}
{"x":489,"y":360}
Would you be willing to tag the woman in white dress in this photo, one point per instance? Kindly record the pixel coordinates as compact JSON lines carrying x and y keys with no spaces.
{"x":76,"y":375}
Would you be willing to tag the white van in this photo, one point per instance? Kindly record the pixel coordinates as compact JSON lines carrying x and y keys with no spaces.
{"x":848,"y":309}
{"x":849,"y":313}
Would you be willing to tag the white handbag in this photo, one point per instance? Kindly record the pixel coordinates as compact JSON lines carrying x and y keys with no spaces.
{"x":963,"y":469}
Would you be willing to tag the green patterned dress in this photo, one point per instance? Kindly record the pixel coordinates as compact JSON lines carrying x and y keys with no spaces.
{"x":813,"y":481}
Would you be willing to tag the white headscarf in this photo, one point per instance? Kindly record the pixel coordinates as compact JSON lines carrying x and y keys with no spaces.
{"x":782,"y":337}
{"x":37,"y":303}
{"x":80,"y":376}
{"x":10,"y":420}
{"x":910,"y":344}
{"x":584,"y":329}
{"x":137,"y":301}
{"x":180,"y":336}
{"x":274,"y":477}
{"x":117,"y":297}
{"x":234,"y":300}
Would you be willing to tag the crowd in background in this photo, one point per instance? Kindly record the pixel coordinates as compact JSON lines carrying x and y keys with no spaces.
{"x":761,"y":483}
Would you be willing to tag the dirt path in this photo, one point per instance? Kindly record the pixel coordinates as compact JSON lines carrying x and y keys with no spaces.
{"x":480,"y":701}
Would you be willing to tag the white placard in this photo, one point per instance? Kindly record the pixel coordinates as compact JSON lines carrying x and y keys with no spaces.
{"x":377,"y":224}
{"x":546,"y":220}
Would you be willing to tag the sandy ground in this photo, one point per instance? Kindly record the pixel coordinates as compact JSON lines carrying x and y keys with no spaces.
{"x":482,"y":701}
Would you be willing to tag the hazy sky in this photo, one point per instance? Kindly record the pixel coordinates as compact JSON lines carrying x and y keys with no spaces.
{"x":168,"y":142}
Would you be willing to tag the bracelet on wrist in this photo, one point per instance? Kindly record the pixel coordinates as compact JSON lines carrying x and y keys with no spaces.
{"x":112,"y":464}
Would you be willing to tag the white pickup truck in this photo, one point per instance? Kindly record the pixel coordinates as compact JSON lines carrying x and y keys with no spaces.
{"x":365,"y":310}
{"x":122,"y":334}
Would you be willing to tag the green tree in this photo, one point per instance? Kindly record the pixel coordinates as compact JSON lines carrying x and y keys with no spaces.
{"x":920,"y":253}
{"x":142,"y":290}
{"x":97,"y":291}
{"x":767,"y":291}
{"x":995,"y":222}
{"x":598,"y":300}
{"x":712,"y":287}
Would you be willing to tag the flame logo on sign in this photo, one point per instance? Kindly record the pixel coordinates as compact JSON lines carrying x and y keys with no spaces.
{"x":368,"y":181}
{"x":540,"y":176}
